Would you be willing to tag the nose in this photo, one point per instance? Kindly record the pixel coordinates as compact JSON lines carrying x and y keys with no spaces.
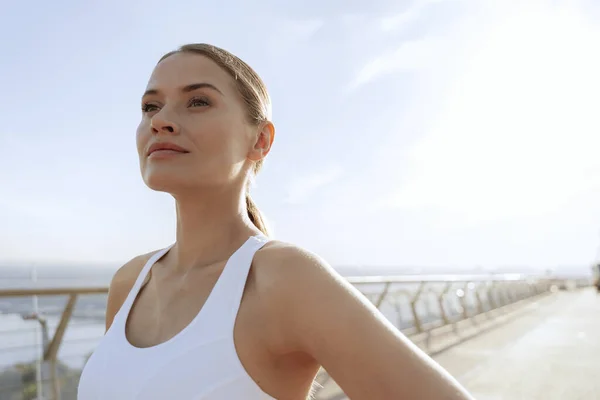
{"x":160,"y":124}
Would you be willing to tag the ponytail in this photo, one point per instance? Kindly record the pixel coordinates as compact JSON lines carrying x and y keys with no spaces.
{"x":255,"y":215}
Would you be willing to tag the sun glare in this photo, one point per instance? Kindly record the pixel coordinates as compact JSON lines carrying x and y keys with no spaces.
{"x":519,"y":133}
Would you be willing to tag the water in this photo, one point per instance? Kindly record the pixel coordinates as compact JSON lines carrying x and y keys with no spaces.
{"x":21,"y":340}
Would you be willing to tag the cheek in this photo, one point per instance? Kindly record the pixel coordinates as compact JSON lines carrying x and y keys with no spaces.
{"x":216,"y":140}
{"x":141,"y":137}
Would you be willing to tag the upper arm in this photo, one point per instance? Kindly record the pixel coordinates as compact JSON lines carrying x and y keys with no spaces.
{"x":327,"y":318}
{"x":120,"y":285}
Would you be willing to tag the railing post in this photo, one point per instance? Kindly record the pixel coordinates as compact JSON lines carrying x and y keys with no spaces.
{"x":398,"y":309}
{"x":510,"y":293}
{"x":525,"y":292}
{"x":533,"y":289}
{"x":383,"y":294}
{"x":443,"y":313}
{"x":463,"y":301}
{"x":521,"y":291}
{"x":490,"y":296}
{"x":413,"y":307}
{"x":502,"y":294}
{"x":51,"y":352}
{"x":478,"y":298}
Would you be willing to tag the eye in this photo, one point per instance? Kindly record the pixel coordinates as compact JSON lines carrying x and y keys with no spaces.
{"x":198,"y":102}
{"x":147,"y":107}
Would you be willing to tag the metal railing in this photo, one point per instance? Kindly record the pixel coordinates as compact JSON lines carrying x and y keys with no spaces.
{"x":417,"y":305}
{"x":449,"y":307}
{"x":46,"y":375}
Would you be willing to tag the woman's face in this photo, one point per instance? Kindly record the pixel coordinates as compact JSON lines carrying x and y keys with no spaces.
{"x":194,"y":115}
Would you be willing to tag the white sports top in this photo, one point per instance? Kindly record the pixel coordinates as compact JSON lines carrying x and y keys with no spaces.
{"x":199,"y":363}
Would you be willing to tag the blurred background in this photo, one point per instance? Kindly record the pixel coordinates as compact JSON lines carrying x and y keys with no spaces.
{"x":442,"y":155}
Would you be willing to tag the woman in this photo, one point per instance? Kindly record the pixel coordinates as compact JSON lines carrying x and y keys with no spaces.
{"x":226,"y":313}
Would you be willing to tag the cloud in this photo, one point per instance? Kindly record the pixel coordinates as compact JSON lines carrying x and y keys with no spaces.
{"x":288,"y":37}
{"x":288,"y":32}
{"x":397,"y":21}
{"x":301,"y":29}
{"x":301,"y":189}
{"x":518,"y":134}
{"x":411,"y":55}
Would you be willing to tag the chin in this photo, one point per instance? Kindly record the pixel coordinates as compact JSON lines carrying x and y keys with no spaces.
{"x":165,"y":182}
{"x":175,"y":180}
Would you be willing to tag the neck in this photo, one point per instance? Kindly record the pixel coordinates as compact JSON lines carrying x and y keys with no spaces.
{"x":210,"y":226}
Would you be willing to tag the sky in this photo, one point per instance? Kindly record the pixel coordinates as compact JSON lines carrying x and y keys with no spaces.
{"x":424,"y":133}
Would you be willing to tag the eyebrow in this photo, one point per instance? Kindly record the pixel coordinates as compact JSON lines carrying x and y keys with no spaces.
{"x":187,"y":88}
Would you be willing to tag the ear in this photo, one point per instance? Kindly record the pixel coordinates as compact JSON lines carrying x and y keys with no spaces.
{"x":265,"y":134}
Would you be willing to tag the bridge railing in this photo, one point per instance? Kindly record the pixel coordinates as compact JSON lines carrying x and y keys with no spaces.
{"x":46,"y":335}
{"x":420,"y":303}
{"x":42,"y":349}
{"x":450,"y":308}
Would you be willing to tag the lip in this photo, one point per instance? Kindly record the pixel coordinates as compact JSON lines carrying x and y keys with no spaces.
{"x":166,"y":147}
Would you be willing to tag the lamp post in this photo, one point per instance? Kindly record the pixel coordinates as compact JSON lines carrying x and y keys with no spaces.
{"x":44,"y":373}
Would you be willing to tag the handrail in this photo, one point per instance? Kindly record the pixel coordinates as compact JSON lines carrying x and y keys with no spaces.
{"x":443,"y":278}
{"x":50,"y":291}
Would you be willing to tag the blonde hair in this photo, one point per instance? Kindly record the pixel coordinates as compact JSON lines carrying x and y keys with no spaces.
{"x":255,"y":96}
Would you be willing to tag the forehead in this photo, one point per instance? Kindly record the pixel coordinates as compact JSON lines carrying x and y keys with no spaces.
{"x":182,"y":69}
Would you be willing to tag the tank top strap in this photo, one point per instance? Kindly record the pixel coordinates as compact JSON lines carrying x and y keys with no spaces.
{"x":227,"y":294}
{"x":127,"y":304}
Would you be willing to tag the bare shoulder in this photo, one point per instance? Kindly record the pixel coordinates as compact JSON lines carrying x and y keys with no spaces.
{"x":124,"y":278}
{"x":285,"y":268}
{"x":121,"y":283}
{"x":275,"y":252}
{"x":295,"y":284}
